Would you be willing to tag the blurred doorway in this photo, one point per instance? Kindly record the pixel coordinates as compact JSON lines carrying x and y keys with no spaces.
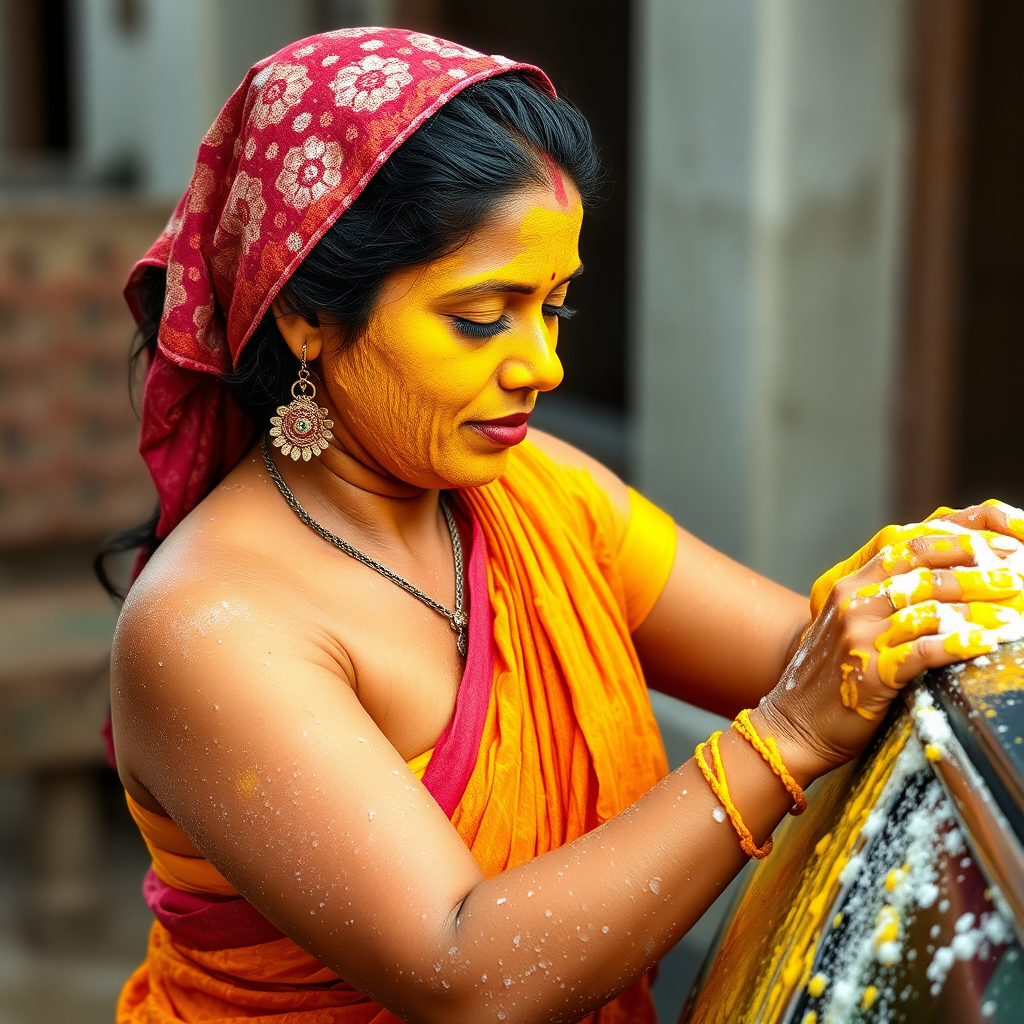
{"x":36,"y":117}
{"x":958,"y":430}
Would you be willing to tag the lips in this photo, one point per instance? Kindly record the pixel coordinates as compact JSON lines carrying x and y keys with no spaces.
{"x":507,"y":431}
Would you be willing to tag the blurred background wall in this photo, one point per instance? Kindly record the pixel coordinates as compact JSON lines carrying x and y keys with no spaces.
{"x":798,"y":293}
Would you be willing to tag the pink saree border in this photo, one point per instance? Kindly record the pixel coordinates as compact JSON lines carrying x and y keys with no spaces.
{"x":208,"y":922}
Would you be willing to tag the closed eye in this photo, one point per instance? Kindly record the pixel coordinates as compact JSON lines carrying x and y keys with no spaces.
{"x":562,"y":312}
{"x":476,"y":329}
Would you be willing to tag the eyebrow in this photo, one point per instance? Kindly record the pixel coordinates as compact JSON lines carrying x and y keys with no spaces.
{"x":497,"y":285}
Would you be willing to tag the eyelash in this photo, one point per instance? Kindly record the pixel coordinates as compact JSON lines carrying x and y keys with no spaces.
{"x":475,"y":329}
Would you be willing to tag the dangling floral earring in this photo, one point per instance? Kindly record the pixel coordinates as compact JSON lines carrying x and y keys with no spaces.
{"x":301,"y":428}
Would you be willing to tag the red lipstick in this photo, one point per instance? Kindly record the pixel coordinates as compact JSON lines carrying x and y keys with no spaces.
{"x":507,"y":431}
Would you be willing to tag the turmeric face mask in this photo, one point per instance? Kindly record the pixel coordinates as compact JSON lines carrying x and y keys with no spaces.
{"x":439,"y":388}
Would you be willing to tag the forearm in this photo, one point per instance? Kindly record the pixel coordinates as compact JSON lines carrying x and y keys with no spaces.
{"x":561,"y":935}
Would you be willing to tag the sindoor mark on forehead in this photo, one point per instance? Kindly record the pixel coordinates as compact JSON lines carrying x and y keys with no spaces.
{"x":555,"y":174}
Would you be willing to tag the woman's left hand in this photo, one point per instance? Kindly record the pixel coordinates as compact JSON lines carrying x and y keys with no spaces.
{"x":915,"y":597}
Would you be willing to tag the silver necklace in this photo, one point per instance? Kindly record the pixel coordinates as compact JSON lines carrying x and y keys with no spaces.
{"x":457,"y":619}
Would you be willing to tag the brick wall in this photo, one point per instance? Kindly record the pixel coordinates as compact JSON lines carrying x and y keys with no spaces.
{"x":69,"y":465}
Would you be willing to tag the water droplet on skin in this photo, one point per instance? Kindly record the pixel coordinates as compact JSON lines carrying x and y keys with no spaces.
{"x":718,"y":814}
{"x":160,"y":664}
{"x":530,"y":893}
{"x":501,"y":899}
{"x":604,"y":930}
{"x":547,"y":913}
{"x":654,"y":885}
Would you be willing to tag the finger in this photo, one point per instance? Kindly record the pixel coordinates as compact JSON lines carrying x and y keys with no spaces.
{"x":990,"y":548}
{"x":993,"y":515}
{"x":880,"y":600}
{"x":938,"y":551}
{"x":1005,"y":617}
{"x":952,"y":586}
{"x":899,"y":664}
{"x":968,"y":643}
{"x":988,"y":620}
{"x":873,"y":601}
{"x":896,"y":559}
{"x":939,"y":650}
{"x":929,"y":617}
{"x":887,"y":538}
{"x":927,"y":551}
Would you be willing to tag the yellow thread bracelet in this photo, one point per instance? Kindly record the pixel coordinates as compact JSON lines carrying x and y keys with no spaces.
{"x":716,"y":781}
{"x":768,"y":749}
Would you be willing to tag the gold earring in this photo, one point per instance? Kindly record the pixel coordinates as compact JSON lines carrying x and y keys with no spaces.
{"x":301,"y":428}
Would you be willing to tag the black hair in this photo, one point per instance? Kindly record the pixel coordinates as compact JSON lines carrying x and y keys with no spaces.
{"x":487,"y":143}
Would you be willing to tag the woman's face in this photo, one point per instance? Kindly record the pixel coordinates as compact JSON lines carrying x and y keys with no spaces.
{"x":461,"y":343}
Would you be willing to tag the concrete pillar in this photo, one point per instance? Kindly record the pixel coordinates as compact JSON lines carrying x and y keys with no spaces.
{"x":769,"y":172}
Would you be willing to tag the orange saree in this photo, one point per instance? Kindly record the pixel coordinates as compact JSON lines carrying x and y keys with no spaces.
{"x":563,"y":738}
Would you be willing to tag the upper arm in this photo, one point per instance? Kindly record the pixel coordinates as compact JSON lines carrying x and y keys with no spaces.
{"x":720,"y":634}
{"x":231,"y":715}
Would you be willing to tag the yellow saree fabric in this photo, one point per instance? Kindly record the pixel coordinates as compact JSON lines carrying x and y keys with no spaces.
{"x":570,"y":738}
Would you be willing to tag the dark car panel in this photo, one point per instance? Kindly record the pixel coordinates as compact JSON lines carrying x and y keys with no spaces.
{"x":899,"y":895}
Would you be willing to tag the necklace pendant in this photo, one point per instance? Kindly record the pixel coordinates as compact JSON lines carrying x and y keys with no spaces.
{"x":459,"y":621}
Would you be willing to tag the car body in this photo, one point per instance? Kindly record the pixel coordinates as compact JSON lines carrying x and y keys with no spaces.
{"x":898,"y":895}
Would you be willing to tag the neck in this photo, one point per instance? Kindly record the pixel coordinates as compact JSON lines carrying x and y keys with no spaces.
{"x":346,"y":491}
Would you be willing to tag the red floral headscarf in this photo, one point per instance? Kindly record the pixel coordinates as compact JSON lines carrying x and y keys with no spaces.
{"x":289,"y":153}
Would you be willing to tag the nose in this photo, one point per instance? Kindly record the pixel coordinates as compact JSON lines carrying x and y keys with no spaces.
{"x":532,"y":363}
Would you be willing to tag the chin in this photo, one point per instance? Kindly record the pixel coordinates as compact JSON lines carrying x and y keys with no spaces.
{"x":474,"y":471}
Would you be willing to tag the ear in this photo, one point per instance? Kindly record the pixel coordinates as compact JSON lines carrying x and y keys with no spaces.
{"x":297,"y":332}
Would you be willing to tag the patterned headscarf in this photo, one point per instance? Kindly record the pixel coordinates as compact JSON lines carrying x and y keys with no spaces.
{"x":289,"y":153}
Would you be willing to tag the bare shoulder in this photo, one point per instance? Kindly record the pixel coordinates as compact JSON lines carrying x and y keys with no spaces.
{"x":222,"y":573}
{"x":568,"y":456}
{"x":216,"y":620}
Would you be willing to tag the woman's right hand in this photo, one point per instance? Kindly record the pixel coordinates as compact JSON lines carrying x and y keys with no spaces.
{"x":921,"y":602}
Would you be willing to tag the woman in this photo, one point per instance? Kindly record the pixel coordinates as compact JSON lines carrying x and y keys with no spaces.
{"x":378,"y":695}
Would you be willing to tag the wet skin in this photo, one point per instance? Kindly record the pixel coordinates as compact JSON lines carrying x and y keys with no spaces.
{"x":250,"y":649}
